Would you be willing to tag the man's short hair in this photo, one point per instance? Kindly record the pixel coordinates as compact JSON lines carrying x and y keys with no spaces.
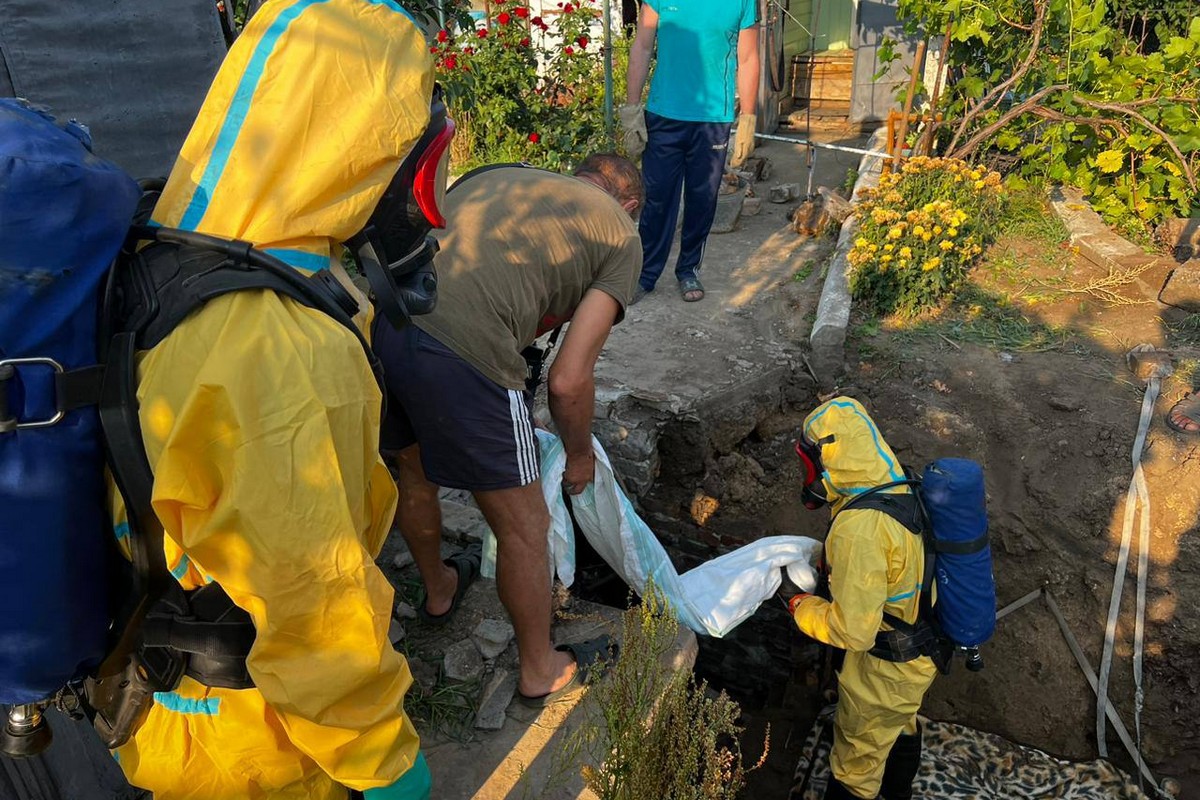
{"x":616,"y":175}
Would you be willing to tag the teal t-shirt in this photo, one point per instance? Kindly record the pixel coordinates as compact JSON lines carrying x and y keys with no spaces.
{"x":695,"y":73}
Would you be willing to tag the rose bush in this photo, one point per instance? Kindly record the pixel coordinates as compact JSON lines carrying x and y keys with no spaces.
{"x":920,"y":231}
{"x":527,"y":89}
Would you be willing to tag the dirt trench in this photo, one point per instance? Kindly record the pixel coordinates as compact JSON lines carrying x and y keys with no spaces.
{"x":1053,"y":431}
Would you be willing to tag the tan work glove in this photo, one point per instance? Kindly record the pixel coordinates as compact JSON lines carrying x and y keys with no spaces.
{"x":633,"y":122}
{"x":743,"y":141}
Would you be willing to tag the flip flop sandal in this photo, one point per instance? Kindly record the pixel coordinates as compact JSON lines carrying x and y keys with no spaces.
{"x":688,"y":286}
{"x":467,"y":563}
{"x":1189,"y":407}
{"x":593,"y":659}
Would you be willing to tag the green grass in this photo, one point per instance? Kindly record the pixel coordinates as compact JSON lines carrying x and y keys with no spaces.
{"x":1185,"y":333}
{"x":806,"y":269}
{"x":447,"y":710}
{"x":977,"y":317}
{"x":1187,"y":372}
{"x":1028,"y":215}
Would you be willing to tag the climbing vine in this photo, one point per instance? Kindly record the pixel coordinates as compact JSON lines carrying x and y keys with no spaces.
{"x":1055,"y":89}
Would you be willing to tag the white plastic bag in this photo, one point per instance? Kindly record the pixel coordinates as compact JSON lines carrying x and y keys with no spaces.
{"x":712,"y":599}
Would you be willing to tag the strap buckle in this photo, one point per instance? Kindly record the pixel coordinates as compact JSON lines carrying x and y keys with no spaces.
{"x":9,"y":422}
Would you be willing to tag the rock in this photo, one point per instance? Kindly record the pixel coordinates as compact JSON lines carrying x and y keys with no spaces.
{"x":1182,"y":288}
{"x":836,"y":207}
{"x":751,"y":206}
{"x":493,"y":704}
{"x":463,"y":522}
{"x":784,"y":193}
{"x":1182,"y":236}
{"x":1064,"y":404}
{"x":729,"y":209}
{"x":491,"y":637}
{"x":462,"y":662}
{"x":758,"y":167}
{"x":403,"y":559}
{"x":395,"y":632}
{"x":404,"y":611}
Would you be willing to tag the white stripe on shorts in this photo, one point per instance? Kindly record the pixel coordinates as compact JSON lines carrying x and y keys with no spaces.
{"x":527,"y":462}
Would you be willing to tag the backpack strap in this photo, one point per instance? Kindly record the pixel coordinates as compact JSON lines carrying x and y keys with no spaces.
{"x":906,"y":641}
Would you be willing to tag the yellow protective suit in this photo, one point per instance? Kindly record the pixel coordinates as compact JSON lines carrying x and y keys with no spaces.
{"x":261,"y":420}
{"x":875,"y":565}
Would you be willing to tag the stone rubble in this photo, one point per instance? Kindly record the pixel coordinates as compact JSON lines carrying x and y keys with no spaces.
{"x":492,"y":637}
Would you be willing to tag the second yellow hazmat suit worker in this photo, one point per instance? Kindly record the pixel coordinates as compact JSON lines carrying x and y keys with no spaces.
{"x":261,"y":421}
{"x":875,"y":565}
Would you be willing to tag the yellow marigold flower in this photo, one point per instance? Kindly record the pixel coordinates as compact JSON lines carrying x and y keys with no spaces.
{"x":874,"y":248}
{"x":887,"y":248}
{"x":895,"y":232}
{"x":902,"y":263}
{"x":978,"y":184}
{"x":860,"y":242}
{"x":946,"y":244}
{"x":885,"y":258}
{"x":937,"y":230}
{"x":918,"y":230}
{"x":906,"y":252}
{"x":893,"y":197}
{"x":879,"y":216}
{"x":926,"y":236}
{"x":975,"y":175}
{"x":992,"y":179}
{"x":931,"y":264}
{"x":952,"y":232}
{"x":976,"y":249}
{"x":957,"y":178}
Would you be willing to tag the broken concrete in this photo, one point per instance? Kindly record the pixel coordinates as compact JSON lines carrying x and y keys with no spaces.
{"x":1182,"y":288}
{"x":729,"y":209}
{"x":462,"y":662}
{"x":1180,"y":236}
{"x":498,"y":692}
{"x":784,"y":193}
{"x":492,"y":637}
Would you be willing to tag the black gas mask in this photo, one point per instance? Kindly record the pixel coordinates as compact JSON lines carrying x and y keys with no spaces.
{"x":395,"y":250}
{"x":812,"y":493}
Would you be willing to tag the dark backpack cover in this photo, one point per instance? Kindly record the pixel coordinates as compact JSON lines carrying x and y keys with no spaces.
{"x":63,"y":216}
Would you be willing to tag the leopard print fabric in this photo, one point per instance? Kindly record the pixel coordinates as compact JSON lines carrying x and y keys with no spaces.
{"x":959,"y":762}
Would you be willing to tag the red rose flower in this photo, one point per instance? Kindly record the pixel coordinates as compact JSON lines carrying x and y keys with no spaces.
{"x":521,"y":11}
{"x":482,"y":33}
{"x":504,"y":18}
{"x":443,"y":36}
{"x":569,"y":50}
{"x":433,"y":49}
{"x":568,"y":8}
{"x":582,"y":41}
{"x":468,"y":51}
{"x":451,"y":62}
{"x":525,"y":42}
{"x":535,"y":138}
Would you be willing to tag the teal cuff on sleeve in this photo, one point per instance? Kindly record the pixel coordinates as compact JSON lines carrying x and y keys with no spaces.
{"x":415,"y":784}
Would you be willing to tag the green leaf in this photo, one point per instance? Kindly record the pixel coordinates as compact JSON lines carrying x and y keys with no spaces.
{"x":1188,"y":142}
{"x":1110,"y":161}
{"x":1177,"y":48}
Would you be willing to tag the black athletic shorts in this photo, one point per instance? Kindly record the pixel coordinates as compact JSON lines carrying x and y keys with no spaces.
{"x":474,"y":434}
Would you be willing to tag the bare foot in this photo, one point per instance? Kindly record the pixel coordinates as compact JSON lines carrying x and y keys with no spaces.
{"x":439,"y":598}
{"x":1182,"y":415}
{"x":562,"y":671}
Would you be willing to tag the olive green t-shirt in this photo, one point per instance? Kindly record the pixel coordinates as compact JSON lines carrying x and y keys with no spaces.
{"x":520,"y":248}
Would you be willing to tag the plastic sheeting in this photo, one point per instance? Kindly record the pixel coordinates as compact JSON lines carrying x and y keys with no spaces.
{"x":713,"y":598}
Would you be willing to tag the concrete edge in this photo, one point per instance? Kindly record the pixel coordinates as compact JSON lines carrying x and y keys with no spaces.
{"x":828,"y":337}
{"x":1099,"y":244}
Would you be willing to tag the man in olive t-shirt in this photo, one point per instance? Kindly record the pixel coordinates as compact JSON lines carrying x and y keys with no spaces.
{"x":525,"y":251}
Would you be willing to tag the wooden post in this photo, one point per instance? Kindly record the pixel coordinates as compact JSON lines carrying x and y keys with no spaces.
{"x":918,"y":64}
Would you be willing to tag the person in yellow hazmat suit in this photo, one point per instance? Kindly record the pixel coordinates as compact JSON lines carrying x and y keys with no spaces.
{"x":260,"y":418}
{"x":875,"y":566}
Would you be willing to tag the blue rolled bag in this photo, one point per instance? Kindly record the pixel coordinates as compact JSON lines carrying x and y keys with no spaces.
{"x":64,"y":214}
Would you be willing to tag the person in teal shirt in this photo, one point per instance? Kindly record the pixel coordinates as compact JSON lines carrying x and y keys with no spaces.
{"x":706,"y":64}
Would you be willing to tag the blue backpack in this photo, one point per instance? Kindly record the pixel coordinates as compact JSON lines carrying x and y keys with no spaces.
{"x":947,"y":509}
{"x":84,"y":286}
{"x":64,"y":214}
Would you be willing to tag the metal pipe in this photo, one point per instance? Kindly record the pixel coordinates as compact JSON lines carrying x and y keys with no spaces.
{"x":608,"y":70}
{"x":1090,"y":674}
{"x":808,"y":143}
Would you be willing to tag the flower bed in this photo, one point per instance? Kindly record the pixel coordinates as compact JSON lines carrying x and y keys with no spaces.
{"x":920,"y":231}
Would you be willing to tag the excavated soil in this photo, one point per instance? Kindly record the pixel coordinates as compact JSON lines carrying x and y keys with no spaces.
{"x":1053,"y":427}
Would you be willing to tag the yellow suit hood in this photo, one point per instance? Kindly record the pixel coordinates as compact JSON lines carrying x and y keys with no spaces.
{"x":854,"y":455}
{"x":304,"y":127}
